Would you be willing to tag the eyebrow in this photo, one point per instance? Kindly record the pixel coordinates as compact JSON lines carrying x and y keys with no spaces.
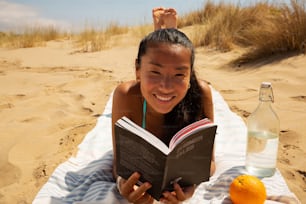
{"x":181,"y":68}
{"x":155,"y":64}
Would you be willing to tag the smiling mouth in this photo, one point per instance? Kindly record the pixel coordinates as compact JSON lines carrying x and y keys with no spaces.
{"x":164,"y":98}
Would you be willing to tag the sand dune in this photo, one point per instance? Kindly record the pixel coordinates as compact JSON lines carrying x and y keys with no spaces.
{"x":50,"y":97}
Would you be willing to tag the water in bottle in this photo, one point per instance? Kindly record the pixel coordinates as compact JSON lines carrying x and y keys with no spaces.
{"x":263,"y":135}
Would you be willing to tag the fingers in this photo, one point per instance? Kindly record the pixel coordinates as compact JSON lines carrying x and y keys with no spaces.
{"x":139,"y":193}
{"x":127,"y":186}
{"x":146,"y":198}
{"x":169,"y":198}
{"x":189,"y":191}
{"x":178,"y":194}
{"x":186,"y":193}
{"x":132,"y":194}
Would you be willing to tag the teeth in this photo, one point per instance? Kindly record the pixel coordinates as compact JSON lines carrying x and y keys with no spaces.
{"x":163,"y":98}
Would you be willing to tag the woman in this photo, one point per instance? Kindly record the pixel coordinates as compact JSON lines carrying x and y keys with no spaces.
{"x":165,"y":97}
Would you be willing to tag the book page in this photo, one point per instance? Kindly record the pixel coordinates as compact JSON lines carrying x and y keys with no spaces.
{"x":141,"y":132}
{"x":188,"y":130}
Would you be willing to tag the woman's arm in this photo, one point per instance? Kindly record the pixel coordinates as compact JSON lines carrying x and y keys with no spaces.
{"x":124,"y":105}
{"x":208,"y":110}
{"x":207,"y":103}
{"x":119,"y":109}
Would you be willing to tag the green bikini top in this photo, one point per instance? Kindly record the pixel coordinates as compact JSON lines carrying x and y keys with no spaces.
{"x":144,"y":111}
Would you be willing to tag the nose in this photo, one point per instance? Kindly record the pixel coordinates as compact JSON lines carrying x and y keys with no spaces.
{"x":166,"y":83}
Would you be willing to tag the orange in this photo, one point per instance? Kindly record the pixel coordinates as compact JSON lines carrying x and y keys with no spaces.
{"x":247,"y":189}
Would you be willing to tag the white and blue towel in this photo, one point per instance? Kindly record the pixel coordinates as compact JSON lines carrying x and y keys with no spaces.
{"x":87,"y":177}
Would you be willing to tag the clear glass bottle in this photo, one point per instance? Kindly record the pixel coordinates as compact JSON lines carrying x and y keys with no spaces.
{"x":263,"y":135}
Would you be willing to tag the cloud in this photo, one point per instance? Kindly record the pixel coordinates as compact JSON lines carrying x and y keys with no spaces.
{"x":14,"y":15}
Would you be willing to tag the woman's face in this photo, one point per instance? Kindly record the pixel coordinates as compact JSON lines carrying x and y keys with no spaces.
{"x":164,"y":75}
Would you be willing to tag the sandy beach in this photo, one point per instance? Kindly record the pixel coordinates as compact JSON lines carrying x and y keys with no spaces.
{"x":51,"y":96}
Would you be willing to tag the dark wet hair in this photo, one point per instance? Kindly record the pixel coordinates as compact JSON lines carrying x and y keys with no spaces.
{"x":190,"y":108}
{"x":171,"y":36}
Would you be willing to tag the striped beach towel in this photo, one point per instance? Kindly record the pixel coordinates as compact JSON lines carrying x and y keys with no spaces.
{"x":87,"y":177}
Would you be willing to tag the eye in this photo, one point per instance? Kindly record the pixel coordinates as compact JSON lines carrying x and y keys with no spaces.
{"x":180,"y":75}
{"x":155,"y":72}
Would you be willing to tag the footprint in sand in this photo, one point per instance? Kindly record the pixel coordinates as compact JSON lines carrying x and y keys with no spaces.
{"x":31,"y":119}
{"x":67,"y":140}
{"x":20,"y":96}
{"x":287,"y":136}
{"x":6,"y":106}
{"x":84,"y":109}
{"x":252,"y":90}
{"x":40,"y":171}
{"x":40,"y":174}
{"x":241,"y":112}
{"x":302,"y":173}
{"x":9,"y":173}
{"x":228,"y":91}
{"x":299,"y":98}
{"x":79,"y":96}
{"x":87,"y":110}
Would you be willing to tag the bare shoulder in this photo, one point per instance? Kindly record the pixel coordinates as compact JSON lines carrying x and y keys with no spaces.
{"x":124,"y":87}
{"x":205,"y":87}
{"x":125,"y":99}
{"x":125,"y":90}
{"x":207,"y":100}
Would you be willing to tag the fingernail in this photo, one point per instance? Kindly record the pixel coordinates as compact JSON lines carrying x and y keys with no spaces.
{"x":176,"y":185}
{"x":137,"y":174}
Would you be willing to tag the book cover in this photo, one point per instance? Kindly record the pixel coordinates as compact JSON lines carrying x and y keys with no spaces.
{"x":187,"y":160}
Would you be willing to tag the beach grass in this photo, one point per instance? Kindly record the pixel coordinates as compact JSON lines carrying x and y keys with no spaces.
{"x":29,"y":36}
{"x":263,"y":28}
{"x":93,"y":40}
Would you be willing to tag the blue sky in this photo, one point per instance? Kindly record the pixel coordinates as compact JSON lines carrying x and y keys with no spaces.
{"x":76,"y":14}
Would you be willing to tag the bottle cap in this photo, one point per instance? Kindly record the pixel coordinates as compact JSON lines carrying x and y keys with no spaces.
{"x":265,"y":84}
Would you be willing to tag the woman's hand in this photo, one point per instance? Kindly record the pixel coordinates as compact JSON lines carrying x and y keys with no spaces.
{"x":178,"y":194}
{"x":133,"y":194}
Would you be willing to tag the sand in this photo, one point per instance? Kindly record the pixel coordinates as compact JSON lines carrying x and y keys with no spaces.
{"x":51,"y":96}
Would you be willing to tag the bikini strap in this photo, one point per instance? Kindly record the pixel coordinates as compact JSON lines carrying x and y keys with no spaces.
{"x":144,"y":111}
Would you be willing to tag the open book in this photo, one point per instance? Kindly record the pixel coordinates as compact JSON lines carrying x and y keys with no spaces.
{"x":186,"y":161}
